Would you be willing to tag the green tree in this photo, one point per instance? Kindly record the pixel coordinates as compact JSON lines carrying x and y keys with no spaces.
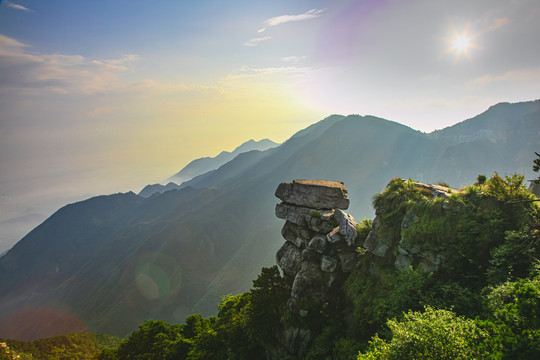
{"x":432,"y":334}
{"x":514,"y":321}
{"x":268,"y":303}
{"x":154,"y":340}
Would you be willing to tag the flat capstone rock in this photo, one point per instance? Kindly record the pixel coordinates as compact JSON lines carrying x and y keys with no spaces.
{"x":315,"y":194}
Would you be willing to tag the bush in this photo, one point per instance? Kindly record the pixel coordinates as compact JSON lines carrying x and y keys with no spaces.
{"x":432,"y":334}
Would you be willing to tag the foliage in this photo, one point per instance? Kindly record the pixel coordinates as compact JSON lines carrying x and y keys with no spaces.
{"x":268,"y":303}
{"x":513,"y":258}
{"x":470,"y":225}
{"x":432,"y":334}
{"x":374,"y":301}
{"x":79,"y":346}
{"x":363,"y":228}
{"x":153,"y":340}
{"x":244,"y":322}
{"x":536,"y":167}
{"x":487,"y":238}
{"x":481,"y":180}
{"x":6,"y":353}
{"x":392,"y":204}
{"x":514,"y":319}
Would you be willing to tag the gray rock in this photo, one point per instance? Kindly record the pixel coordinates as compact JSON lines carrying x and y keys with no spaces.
{"x":317,"y":194}
{"x":328,"y":264}
{"x":348,"y":261}
{"x":335,"y":237}
{"x":295,"y":340}
{"x":381,"y":249}
{"x":311,"y":256}
{"x":307,"y":285}
{"x":408,"y":219}
{"x":297,"y":235}
{"x":408,"y":247}
{"x":375,"y":242}
{"x":436,"y":190}
{"x":347,"y":226}
{"x":330,"y":279}
{"x":289,"y":258}
{"x":402,"y":262}
{"x":321,"y":221}
{"x":318,"y":244}
{"x":371,"y":239}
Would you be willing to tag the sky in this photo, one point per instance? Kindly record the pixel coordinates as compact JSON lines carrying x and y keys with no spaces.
{"x":105,"y":96}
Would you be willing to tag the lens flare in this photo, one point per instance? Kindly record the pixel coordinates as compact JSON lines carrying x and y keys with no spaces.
{"x":461,"y":42}
{"x":151,"y":280}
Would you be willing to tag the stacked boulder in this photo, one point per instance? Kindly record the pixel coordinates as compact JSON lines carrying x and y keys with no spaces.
{"x":321,"y":240}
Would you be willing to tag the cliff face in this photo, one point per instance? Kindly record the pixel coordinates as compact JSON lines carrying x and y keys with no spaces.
{"x":323,"y":246}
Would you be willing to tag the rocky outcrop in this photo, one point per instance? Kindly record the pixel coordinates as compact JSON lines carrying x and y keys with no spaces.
{"x":319,"y":252}
{"x":400,"y":251}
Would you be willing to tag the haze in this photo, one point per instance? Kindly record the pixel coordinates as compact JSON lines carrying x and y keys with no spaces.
{"x":107,"y":96}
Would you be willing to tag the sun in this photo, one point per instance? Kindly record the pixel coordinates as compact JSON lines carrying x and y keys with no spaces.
{"x":461,"y":43}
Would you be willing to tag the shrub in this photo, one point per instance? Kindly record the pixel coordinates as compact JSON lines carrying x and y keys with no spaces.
{"x":432,"y":334}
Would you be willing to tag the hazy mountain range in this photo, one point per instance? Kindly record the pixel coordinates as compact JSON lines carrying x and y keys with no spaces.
{"x":110,"y":262}
{"x":203,"y":165}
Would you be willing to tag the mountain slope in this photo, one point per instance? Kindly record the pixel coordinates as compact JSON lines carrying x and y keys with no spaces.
{"x":203,"y":165}
{"x":163,"y":257}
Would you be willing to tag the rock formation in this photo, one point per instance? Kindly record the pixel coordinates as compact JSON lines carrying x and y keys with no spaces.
{"x":321,"y":249}
{"x":319,"y":252}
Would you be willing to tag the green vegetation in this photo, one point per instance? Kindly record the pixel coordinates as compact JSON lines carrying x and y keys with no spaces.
{"x":77,"y":346}
{"x":483,"y":302}
{"x":432,"y":334}
{"x":480,"y":301}
{"x":363,"y":228}
{"x":244,"y":323}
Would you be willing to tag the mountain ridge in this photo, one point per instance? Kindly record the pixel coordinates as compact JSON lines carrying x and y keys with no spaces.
{"x":177,"y":252}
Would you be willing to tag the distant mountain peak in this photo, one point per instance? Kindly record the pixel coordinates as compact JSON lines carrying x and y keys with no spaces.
{"x":205,"y":164}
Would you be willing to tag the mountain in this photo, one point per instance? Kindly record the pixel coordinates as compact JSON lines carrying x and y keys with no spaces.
{"x":113,"y":261}
{"x":203,"y":165}
{"x":152,"y":189}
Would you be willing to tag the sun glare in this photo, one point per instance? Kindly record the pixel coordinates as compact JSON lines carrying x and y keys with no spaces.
{"x":461,"y":43}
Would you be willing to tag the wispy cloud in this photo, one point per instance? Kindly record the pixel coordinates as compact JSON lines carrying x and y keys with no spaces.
{"x":282,"y":19}
{"x":28,"y":72}
{"x":531,"y":76}
{"x":17,"y":6}
{"x":257,"y":41}
{"x":293,"y":59}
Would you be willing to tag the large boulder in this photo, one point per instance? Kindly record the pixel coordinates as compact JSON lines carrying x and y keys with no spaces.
{"x":319,"y":221}
{"x":347,"y":226}
{"x":289,"y":258}
{"x":316,"y":194}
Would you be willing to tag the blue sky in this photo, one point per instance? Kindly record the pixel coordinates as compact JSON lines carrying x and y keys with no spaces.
{"x":106,"y":96}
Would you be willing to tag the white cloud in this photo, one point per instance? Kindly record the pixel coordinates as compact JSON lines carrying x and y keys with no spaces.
{"x":531,"y":76}
{"x":28,"y":72}
{"x":256,"y":41}
{"x":17,"y":6}
{"x":7,"y":42}
{"x":261,"y":30}
{"x":293,"y":59}
{"x":277,"y":20}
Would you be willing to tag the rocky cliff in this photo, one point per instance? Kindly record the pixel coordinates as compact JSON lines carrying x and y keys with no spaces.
{"x":323,"y":246}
